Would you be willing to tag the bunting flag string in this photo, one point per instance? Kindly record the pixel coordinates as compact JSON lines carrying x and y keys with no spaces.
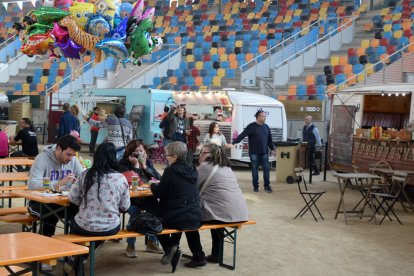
{"x":19,"y":3}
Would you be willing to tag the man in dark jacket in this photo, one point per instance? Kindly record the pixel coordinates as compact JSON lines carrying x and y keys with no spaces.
{"x":179,"y":205}
{"x":67,"y":122}
{"x":260,"y":140}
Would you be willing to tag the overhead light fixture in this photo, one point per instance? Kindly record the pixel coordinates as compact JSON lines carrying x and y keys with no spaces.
{"x":389,"y":94}
{"x":397,"y":94}
{"x":382,"y":94}
{"x":403,"y":94}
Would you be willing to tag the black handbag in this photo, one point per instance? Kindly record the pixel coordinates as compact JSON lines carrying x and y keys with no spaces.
{"x":145,"y":223}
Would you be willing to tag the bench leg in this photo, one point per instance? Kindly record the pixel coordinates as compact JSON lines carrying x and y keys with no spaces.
{"x":232,"y":239}
{"x":92,"y":259}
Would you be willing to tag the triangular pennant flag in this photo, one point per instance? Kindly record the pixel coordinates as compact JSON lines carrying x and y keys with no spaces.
{"x":5,"y":4}
{"x":33,"y":2}
{"x":20,"y":4}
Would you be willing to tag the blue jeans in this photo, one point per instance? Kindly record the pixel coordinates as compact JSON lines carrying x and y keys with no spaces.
{"x":255,"y":161}
{"x":133,"y":210}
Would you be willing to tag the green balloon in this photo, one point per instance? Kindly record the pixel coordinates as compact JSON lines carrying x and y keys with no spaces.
{"x":48,"y":15}
{"x":38,"y":28}
{"x":87,"y":163}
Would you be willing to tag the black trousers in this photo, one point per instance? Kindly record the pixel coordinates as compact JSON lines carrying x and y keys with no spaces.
{"x":94,"y":137}
{"x":311,"y":155}
{"x":49,"y":223}
{"x":193,"y":240}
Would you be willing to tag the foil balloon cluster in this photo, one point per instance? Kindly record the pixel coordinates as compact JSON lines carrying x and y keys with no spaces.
{"x":68,"y":28}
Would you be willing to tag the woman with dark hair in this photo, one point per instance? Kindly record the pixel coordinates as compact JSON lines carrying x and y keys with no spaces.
{"x":119,"y":129}
{"x":179,"y":124}
{"x":221,"y":199}
{"x":179,"y":205}
{"x":28,"y":136}
{"x":135,"y":159}
{"x":100,"y":193}
{"x":215,"y":136}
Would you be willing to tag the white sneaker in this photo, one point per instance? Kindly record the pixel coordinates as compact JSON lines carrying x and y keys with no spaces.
{"x":131,"y":252}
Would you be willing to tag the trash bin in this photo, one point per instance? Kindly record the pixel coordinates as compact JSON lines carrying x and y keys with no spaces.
{"x":287,"y":154}
{"x":8,"y":126}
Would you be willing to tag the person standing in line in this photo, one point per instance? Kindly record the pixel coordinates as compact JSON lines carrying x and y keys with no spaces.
{"x":310,"y":134}
{"x":75,"y":111}
{"x":260,"y":140}
{"x":179,"y":124}
{"x":94,"y":130}
{"x":165,"y":125}
{"x":120,"y":130}
{"x":192,"y":141}
{"x":68,"y":122}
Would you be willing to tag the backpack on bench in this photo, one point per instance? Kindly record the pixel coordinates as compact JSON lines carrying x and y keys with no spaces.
{"x":145,"y":223}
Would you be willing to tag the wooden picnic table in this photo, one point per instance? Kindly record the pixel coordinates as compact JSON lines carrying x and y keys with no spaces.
{"x":43,"y":199}
{"x":26,"y":247}
{"x":11,"y":176}
{"x":16,"y":161}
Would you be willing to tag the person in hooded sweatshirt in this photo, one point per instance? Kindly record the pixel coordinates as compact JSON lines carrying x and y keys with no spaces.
{"x":179,"y":205}
{"x":57,"y":162}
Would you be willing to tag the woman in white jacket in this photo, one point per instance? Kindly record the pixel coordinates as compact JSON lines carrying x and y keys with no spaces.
{"x":215,"y":136}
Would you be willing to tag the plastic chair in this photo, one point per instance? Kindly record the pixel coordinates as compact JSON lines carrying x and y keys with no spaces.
{"x":310,"y":197}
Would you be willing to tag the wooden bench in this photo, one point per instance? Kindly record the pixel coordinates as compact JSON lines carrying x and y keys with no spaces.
{"x":27,"y":221}
{"x":231,"y":235}
{"x":13,"y":210}
{"x":14,"y":269}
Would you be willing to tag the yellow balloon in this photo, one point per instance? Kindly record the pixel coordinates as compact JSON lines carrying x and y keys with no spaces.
{"x":80,"y":12}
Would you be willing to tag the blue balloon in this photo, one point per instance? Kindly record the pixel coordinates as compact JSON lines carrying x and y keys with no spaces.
{"x":98,"y":25}
{"x":119,"y":32}
{"x":125,"y":9}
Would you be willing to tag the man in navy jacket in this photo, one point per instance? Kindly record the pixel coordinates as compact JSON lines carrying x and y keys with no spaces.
{"x":68,"y":122}
{"x":260,"y":140}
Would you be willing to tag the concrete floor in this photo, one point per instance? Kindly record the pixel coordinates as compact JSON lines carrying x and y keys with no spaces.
{"x":280,"y":245}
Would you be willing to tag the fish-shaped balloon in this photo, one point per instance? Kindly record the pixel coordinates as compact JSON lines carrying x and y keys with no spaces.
{"x":48,"y":15}
{"x":38,"y":44}
{"x":114,"y":47}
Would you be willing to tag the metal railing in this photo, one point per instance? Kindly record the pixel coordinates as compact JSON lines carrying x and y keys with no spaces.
{"x":264,"y":62}
{"x":129,"y":82}
{"x":385,"y":62}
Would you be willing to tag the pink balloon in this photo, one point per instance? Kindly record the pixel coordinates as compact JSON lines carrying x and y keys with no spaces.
{"x":63,"y":4}
{"x":60,"y":33}
{"x":148,"y":14}
{"x":138,"y":9}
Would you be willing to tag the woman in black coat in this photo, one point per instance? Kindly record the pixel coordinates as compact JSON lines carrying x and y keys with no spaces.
{"x":179,"y":205}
